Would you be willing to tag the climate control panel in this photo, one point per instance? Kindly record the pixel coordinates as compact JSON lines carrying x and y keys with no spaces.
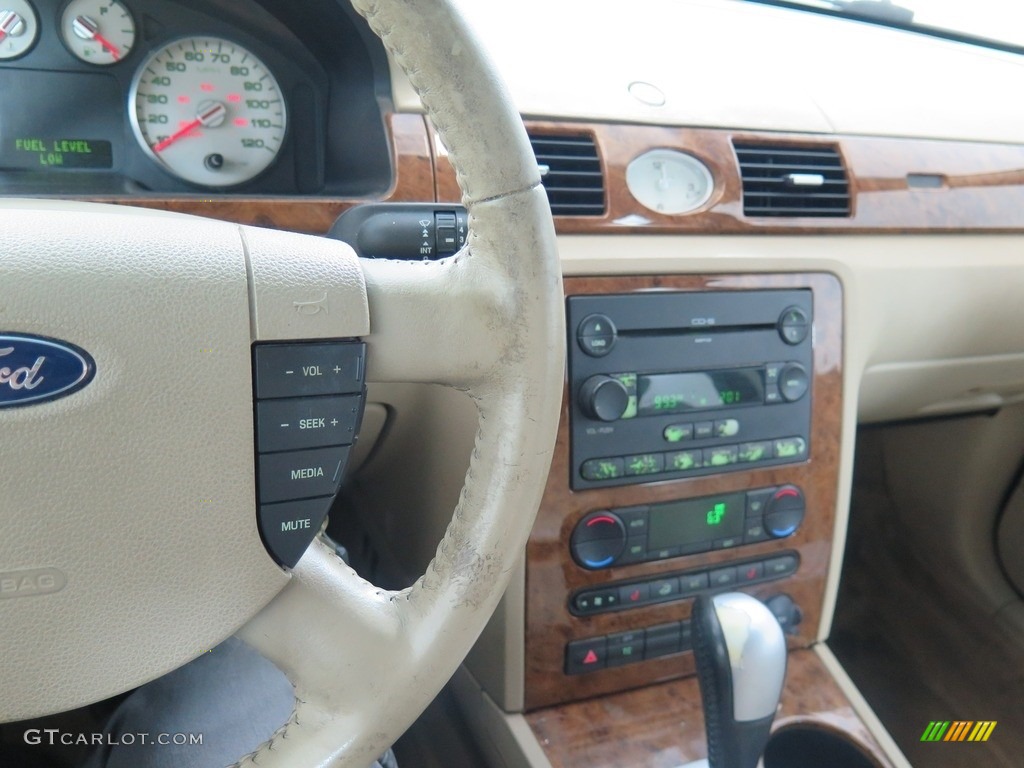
{"x":627,"y":535}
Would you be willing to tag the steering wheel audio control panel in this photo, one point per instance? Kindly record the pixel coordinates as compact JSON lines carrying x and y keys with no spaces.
{"x":688,"y":384}
{"x":309,"y":404}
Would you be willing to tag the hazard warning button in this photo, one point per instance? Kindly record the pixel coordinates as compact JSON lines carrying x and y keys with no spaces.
{"x":585,"y":655}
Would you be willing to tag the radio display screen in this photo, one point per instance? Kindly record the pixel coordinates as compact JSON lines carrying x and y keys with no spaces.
{"x":694,"y":520}
{"x":699,"y":391}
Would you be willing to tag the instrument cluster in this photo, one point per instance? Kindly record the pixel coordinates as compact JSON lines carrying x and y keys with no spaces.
{"x":130,"y":96}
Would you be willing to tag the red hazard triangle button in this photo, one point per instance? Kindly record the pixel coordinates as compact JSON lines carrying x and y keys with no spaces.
{"x":585,"y":655}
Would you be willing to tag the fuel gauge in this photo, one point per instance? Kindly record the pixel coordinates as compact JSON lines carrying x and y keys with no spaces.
{"x":18,"y":28}
{"x":98,"y":32}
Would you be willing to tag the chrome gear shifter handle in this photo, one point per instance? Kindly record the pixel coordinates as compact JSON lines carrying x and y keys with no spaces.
{"x":740,"y":652}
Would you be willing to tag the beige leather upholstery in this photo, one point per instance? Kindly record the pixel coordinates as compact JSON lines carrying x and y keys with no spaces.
{"x":140,"y":487}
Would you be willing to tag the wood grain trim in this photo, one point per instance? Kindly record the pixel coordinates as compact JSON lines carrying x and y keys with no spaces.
{"x":663,"y":725}
{"x":981,"y":185}
{"x":552,"y":575}
{"x":413,"y":181}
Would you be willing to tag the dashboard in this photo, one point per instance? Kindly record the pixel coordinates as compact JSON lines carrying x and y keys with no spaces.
{"x":755,"y":267}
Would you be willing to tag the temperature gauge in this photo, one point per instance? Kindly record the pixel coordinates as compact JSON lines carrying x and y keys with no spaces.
{"x":97,"y":31}
{"x":18,"y":28}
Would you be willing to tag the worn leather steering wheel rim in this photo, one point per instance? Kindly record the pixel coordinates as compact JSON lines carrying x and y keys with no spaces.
{"x":365,"y":662}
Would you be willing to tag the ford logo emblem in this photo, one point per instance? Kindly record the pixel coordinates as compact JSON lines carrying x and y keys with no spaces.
{"x":34,"y":369}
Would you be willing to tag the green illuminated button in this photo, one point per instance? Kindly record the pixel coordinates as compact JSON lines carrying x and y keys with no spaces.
{"x":727,"y":428}
{"x":602,"y":469}
{"x":721,"y":456}
{"x":625,"y":648}
{"x":644,"y":464}
{"x":675,"y":433}
{"x":791,"y":448}
{"x":755,"y":451}
{"x":681,"y":461}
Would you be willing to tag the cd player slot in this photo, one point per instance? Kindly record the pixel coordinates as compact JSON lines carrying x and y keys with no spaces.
{"x":704,"y":330}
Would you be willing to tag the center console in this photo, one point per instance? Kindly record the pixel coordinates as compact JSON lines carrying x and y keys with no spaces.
{"x":698,"y":452}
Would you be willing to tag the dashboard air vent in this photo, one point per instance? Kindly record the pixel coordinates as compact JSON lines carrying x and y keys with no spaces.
{"x":784,"y":180}
{"x":571,"y":174}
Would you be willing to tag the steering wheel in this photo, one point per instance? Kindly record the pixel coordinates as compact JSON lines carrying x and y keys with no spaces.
{"x":130,"y":542}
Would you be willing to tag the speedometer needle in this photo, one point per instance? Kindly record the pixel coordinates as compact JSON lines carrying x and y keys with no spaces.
{"x":87,"y":29}
{"x":211,"y":114}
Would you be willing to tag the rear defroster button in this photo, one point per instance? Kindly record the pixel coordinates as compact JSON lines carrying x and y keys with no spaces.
{"x":301,"y":474}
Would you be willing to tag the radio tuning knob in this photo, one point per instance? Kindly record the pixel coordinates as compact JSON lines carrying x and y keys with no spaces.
{"x":604,"y":398}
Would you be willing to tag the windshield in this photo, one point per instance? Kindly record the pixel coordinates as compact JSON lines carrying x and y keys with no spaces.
{"x":998,"y":23}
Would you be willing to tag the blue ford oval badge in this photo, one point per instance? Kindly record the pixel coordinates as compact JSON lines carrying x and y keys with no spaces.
{"x":34,"y":369}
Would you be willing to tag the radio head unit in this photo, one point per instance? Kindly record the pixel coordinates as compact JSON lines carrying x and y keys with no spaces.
{"x":670,"y":385}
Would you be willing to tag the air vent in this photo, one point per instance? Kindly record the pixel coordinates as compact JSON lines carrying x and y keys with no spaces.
{"x":792,"y":181}
{"x":571,"y":174}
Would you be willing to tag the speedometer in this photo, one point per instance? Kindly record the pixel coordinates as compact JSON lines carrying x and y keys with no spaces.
{"x":208,"y":110}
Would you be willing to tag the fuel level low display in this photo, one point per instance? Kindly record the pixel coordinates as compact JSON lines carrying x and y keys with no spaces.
{"x":100,"y":32}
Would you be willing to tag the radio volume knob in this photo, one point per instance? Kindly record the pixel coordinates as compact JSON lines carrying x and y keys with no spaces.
{"x":784,"y":511}
{"x":604,"y":398}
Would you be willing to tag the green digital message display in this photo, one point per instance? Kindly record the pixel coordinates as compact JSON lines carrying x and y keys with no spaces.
{"x":45,"y":153}
{"x":694,"y":520}
{"x":706,"y":390}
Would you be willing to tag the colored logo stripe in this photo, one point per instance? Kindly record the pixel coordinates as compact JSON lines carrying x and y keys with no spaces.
{"x":958,"y":730}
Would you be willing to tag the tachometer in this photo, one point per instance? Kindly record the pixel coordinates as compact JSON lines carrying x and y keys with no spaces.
{"x":209,"y":111}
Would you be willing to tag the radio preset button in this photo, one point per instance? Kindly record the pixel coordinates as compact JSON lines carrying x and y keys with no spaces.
{"x":793,"y":382}
{"x":645,"y":464}
{"x":790,"y":448}
{"x":596,"y":335}
{"x":721,"y":456}
{"x":793,"y":325}
{"x":760,"y":451}
{"x":604,"y":398}
{"x":682,"y":461}
{"x":603,"y":469}
{"x":675,"y":433}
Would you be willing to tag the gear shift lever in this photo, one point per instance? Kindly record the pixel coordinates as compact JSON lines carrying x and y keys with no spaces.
{"x":741,"y":663}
